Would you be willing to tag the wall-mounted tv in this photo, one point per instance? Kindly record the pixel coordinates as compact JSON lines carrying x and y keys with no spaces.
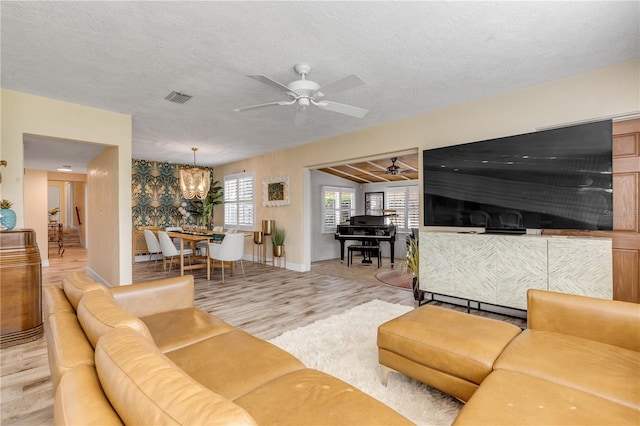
{"x":553,"y":179}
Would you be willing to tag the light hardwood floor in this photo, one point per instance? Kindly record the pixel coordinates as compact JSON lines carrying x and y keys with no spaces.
{"x":267,"y":303}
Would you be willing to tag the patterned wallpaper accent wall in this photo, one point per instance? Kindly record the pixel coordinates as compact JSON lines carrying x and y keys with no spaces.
{"x":156,"y":194}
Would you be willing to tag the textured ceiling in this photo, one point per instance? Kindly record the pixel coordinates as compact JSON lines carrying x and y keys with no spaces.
{"x":414,"y":56}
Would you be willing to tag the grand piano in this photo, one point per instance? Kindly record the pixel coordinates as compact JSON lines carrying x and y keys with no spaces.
{"x":366,"y":228}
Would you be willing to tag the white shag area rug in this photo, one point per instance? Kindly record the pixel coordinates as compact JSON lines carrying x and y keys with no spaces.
{"x":344,"y":346}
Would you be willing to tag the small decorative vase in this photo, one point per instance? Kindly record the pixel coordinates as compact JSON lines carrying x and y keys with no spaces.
{"x":278,"y":251}
{"x":418,"y":294}
{"x":7,"y":219}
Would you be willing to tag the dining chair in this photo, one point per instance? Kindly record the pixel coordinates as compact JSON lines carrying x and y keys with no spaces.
{"x":169,"y":250}
{"x":231,"y":249}
{"x":176,"y":241}
{"x":153,"y":246}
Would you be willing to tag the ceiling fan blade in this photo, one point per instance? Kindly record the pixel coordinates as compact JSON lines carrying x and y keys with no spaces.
{"x":269,"y":82}
{"x":263,"y":105}
{"x":351,"y":110}
{"x":341,"y":85}
{"x":300,"y":118}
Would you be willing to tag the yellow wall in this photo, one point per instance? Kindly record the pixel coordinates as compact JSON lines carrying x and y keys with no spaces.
{"x":35,"y":207}
{"x":63,"y":202}
{"x":79,"y":203}
{"x":102,"y":215}
{"x":603,"y":93}
{"x":27,"y":114}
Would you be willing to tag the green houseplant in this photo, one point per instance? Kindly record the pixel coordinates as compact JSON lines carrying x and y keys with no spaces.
{"x":204,"y":208}
{"x":278,"y":235}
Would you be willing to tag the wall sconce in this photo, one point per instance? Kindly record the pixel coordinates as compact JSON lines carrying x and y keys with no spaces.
{"x":194,"y":181}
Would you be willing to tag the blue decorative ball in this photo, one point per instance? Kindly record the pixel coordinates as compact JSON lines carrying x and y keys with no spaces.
{"x":8,"y":219}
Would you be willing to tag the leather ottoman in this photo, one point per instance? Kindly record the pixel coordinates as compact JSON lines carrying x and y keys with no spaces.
{"x":448,"y":350}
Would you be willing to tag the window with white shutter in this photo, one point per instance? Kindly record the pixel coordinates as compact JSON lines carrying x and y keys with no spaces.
{"x":338,"y":205}
{"x":239,"y":201}
{"x":405,"y":201}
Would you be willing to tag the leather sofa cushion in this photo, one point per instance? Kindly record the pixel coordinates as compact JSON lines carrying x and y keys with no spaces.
{"x":455,"y":343}
{"x":511,"y":398}
{"x":608,"y":371}
{"x":99,"y":313}
{"x":234,"y":363}
{"x":80,"y":400}
{"x":76,"y":284}
{"x":145,"y":387}
{"x":175,"y":329}
{"x":54,"y":300}
{"x":608,"y":321}
{"x":307,"y":396}
{"x":67,"y":346}
{"x":151,"y":297}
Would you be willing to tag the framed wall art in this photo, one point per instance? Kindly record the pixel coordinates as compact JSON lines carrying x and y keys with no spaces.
{"x":275,"y":191}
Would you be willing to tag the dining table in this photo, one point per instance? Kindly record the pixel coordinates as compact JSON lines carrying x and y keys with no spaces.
{"x":193,"y":238}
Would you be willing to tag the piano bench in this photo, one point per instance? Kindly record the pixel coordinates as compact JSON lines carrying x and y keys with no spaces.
{"x":370,"y":250}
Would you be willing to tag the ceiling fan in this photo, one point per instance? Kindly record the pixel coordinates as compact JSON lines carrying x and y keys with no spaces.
{"x":305,"y":93}
{"x":394,"y":170}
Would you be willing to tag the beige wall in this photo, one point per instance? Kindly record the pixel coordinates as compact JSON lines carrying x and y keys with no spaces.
{"x":27,"y":114}
{"x":79,"y":202}
{"x":62,"y":204}
{"x":102,"y":215}
{"x":603,"y":93}
{"x":35,"y":207}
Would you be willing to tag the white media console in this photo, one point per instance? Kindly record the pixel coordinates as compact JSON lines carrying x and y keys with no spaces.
{"x":498,"y":269}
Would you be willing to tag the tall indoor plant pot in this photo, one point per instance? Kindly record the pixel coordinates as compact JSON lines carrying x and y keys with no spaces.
{"x":278,"y":236}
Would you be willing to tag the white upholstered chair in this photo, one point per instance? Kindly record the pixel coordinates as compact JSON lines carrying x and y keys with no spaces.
{"x":231,"y":249}
{"x":169,"y":250}
{"x":153,"y":246}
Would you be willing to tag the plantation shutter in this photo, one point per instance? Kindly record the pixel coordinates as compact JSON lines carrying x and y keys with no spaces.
{"x":338,"y":206}
{"x":405,"y":201}
{"x":239,"y":201}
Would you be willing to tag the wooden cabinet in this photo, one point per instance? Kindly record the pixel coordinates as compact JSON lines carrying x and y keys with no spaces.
{"x":499,"y":269}
{"x":626,"y":210}
{"x":20,"y":288}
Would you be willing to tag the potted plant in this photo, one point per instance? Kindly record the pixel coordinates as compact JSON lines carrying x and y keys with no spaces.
{"x":413,"y":265}
{"x":7,"y":216}
{"x":278,"y":236}
{"x":204,"y":208}
{"x":54,"y":211}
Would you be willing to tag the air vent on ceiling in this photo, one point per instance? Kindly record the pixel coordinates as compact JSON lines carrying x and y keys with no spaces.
{"x":178,"y":97}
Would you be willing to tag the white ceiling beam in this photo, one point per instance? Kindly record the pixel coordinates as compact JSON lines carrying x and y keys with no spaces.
{"x":407,"y":166}
{"x":348,"y":174}
{"x":366,"y":172}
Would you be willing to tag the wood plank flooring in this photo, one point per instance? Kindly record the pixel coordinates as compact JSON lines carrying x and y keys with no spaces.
{"x":267,"y":303}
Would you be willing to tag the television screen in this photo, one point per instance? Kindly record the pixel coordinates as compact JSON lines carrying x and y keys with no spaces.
{"x":554,"y":179}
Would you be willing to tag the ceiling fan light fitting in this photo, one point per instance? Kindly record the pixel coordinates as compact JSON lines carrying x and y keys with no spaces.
{"x":302,"y":69}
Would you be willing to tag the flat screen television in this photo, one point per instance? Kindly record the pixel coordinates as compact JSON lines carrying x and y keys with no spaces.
{"x":552,"y":179}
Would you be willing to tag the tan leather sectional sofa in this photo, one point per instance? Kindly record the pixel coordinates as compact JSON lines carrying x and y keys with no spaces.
{"x":142,"y":354}
{"x":577,"y":362}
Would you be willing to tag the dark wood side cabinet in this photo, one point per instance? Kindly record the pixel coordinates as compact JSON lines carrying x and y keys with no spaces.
{"x":20,"y":288}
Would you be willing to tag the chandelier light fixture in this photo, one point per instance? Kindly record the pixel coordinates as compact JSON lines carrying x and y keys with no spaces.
{"x":194,"y":181}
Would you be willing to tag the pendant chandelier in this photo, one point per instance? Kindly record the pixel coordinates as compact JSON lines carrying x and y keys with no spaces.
{"x":194,"y":181}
